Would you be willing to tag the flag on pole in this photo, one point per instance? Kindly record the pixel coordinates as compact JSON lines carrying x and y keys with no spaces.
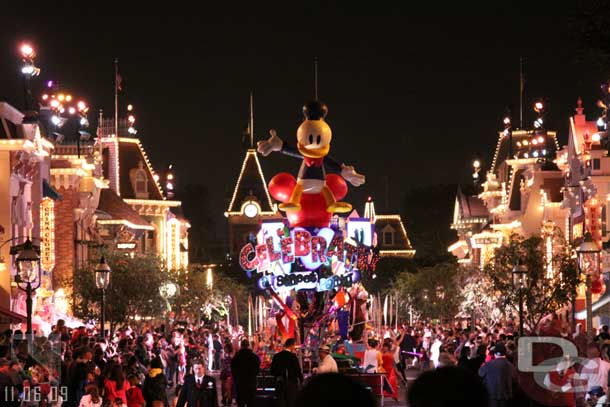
{"x":119,"y":80}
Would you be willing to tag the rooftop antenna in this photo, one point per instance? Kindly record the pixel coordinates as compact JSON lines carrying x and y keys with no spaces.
{"x":315,"y":77}
{"x":251,"y":120}
{"x":521,"y":91}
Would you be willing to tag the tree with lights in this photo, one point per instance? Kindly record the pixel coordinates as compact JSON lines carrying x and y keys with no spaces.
{"x":212,"y":302}
{"x":550,"y":282}
{"x":480,"y":300}
{"x":134,"y":289}
{"x":434,"y":291}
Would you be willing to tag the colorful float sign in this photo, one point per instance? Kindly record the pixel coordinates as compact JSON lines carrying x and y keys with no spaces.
{"x":305,"y":259}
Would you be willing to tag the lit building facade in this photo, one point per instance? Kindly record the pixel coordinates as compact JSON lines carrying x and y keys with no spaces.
{"x":26,"y":198}
{"x":146,"y":221}
{"x":521,"y":194}
{"x":586,"y":166}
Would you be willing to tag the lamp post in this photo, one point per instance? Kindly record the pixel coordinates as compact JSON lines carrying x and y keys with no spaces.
{"x":28,"y":273}
{"x":102,"y":279}
{"x":520,"y":283}
{"x":588,"y":263}
{"x":29,"y":70}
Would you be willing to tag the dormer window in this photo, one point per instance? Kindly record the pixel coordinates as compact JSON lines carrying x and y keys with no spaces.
{"x":388,"y":236}
{"x":139,"y":180}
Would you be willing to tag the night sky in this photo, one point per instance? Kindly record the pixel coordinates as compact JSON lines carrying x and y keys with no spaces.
{"x":411,"y":98}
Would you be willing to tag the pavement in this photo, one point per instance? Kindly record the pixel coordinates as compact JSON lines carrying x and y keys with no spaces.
{"x":387,"y":401}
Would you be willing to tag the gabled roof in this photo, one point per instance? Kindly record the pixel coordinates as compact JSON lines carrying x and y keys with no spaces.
{"x":130,"y":153}
{"x":402,"y":245}
{"x":471,"y":206}
{"x":251,"y":185}
{"x":120,"y":212}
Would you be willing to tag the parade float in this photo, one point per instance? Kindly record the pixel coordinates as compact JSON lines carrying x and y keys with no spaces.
{"x":311,"y":263}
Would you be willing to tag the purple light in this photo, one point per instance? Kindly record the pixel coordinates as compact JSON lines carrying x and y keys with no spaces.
{"x":49,"y":84}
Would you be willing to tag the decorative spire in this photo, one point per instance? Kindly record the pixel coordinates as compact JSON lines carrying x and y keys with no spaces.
{"x":369,"y":210}
{"x":579,"y":108}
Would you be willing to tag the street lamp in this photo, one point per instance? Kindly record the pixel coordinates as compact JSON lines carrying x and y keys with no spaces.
{"x":520,"y":283}
{"x":29,"y":70}
{"x":102,"y":279}
{"x":28,"y":273}
{"x":588,"y":263}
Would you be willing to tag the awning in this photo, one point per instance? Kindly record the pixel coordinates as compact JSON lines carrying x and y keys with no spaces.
{"x":49,"y":192}
{"x":9,"y":317}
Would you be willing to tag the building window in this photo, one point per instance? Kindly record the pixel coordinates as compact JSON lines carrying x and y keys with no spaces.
{"x":596,"y":164}
{"x":141,"y":183}
{"x":387,"y":234}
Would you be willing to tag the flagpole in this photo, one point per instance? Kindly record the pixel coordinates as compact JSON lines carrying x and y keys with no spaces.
{"x":251,"y":120}
{"x":116,"y":97}
{"x":521,"y":86}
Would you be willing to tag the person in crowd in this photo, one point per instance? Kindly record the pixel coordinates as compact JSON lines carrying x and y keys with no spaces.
{"x":287,"y":371}
{"x":498,"y":375}
{"x":78,"y":371}
{"x":115,"y":385}
{"x":597,"y":397}
{"x":199,"y":389}
{"x":155,"y":383}
{"x":91,"y":398}
{"x":387,"y":359}
{"x":448,"y":387}
{"x":135,"y":398}
{"x":595,"y":369}
{"x":245,"y":366}
{"x":332,"y":390}
{"x":371,"y":362}
{"x":217,"y":351}
{"x":225,"y":375}
{"x":327,"y":363}
{"x":604,"y":335}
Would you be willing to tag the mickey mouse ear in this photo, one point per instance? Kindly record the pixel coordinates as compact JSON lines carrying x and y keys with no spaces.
{"x":315,"y":110}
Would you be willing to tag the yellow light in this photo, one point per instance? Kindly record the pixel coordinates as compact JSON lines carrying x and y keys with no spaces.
{"x":61,"y":97}
{"x":68,"y":98}
{"x":170,"y":176}
{"x":129,"y":108}
{"x":476,"y":164}
{"x":525,"y":142}
{"x":209,"y":279}
{"x":27,"y":51}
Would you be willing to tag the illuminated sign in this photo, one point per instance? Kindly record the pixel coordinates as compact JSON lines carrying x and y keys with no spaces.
{"x":487,"y":239}
{"x":47,"y":234}
{"x":126,"y":245}
{"x":292,"y":259}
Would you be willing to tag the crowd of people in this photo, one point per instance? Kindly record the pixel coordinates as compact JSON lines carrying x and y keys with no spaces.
{"x":195,"y":365}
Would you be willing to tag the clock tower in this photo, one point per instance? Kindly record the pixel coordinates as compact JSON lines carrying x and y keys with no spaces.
{"x":250,"y":203}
